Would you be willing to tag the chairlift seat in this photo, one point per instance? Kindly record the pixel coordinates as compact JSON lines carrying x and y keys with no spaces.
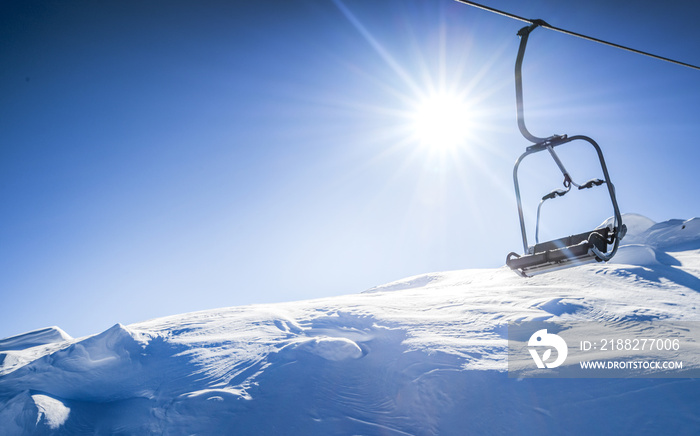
{"x":573,"y":250}
{"x":562,"y":253}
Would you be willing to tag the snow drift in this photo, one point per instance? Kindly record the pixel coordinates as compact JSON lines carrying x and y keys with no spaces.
{"x":421,"y":356}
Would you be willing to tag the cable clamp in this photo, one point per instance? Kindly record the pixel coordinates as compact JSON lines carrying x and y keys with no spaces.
{"x":535,"y":24}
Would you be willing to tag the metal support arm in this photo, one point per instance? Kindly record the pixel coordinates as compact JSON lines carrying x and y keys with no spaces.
{"x":524,"y":33}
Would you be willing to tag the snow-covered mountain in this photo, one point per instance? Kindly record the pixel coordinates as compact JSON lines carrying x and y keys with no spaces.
{"x":426,"y":355}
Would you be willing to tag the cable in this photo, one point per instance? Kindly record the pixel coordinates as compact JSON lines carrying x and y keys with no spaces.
{"x":578,"y":35}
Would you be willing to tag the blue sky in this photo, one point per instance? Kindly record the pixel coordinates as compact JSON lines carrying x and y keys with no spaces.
{"x":165,"y":157}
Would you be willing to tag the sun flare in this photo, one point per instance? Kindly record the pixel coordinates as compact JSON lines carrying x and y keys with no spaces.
{"x":440,"y":122}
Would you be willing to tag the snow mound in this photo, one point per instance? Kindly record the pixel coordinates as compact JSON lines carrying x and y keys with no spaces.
{"x":28,"y":413}
{"x":636,"y":254}
{"x":671,"y":235}
{"x":636,"y":224}
{"x":674,"y":235}
{"x":335,"y":349}
{"x":413,"y":282}
{"x":105,"y":367}
{"x":51,"y":411}
{"x":49,"y":335}
{"x":17,"y":351}
{"x":649,"y":244}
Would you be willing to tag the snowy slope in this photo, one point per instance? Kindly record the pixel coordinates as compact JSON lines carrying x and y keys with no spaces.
{"x":421,"y":356}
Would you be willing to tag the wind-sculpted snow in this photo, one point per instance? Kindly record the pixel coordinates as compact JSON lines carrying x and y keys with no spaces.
{"x":49,"y":335}
{"x":407,"y":283}
{"x":19,"y":350}
{"x":420,"y":356}
{"x":659,"y":254}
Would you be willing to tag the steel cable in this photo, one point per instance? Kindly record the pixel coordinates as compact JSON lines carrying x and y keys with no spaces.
{"x":578,"y":35}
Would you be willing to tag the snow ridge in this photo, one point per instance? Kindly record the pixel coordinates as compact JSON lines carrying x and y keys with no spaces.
{"x":49,"y":335}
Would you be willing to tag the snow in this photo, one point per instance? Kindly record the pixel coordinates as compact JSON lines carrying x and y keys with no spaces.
{"x":335,"y":349}
{"x":49,"y":335}
{"x":420,"y":356}
{"x":51,"y":411}
{"x":19,"y":350}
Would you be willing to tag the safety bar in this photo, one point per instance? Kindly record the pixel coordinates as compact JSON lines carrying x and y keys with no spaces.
{"x":617,"y":224}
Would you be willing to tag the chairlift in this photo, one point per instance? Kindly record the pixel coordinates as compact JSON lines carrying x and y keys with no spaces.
{"x":597,"y":245}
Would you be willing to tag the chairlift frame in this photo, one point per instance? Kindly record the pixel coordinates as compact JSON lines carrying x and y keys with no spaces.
{"x":571,"y":250}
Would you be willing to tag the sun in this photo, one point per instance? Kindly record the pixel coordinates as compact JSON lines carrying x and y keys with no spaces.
{"x":441,"y":122}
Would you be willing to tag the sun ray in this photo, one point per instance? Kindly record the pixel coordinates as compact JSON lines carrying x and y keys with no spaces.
{"x":386,"y":56}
